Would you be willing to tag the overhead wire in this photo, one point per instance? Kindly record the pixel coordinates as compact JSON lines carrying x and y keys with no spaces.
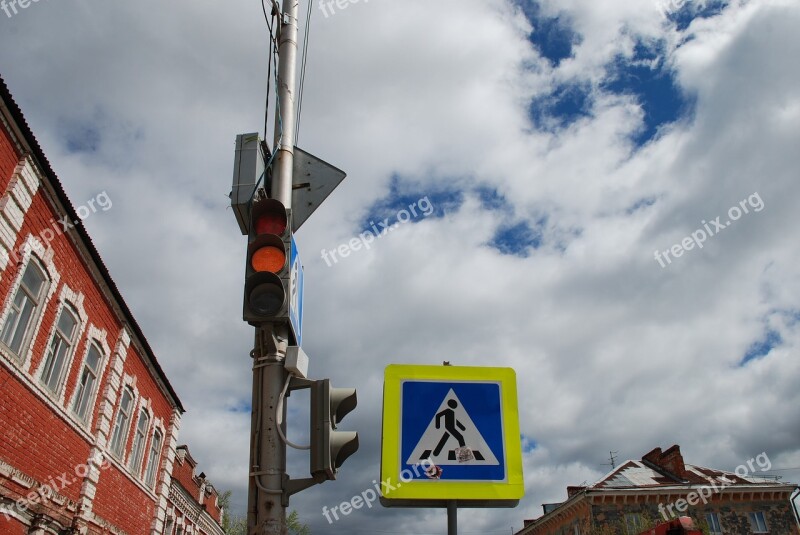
{"x":272,"y":60}
{"x":303,"y":63}
{"x":272,"y":51}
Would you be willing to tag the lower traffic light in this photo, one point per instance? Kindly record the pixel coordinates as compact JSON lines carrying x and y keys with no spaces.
{"x":330,"y":448}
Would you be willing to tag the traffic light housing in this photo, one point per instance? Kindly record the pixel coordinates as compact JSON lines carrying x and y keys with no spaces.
{"x":329,"y":447}
{"x":267,"y":276}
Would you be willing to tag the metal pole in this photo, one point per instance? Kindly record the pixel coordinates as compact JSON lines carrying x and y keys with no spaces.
{"x":267,"y":516}
{"x":452,"y":517}
{"x":267,"y":475}
{"x":285,"y":120}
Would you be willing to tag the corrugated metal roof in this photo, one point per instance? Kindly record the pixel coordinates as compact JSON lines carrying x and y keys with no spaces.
{"x":635,"y":474}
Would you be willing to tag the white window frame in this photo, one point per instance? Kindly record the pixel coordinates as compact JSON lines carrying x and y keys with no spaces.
{"x":59,"y":341}
{"x":91,"y":397}
{"x":755,"y":518}
{"x":637,"y":521}
{"x":118,"y":450}
{"x":712,"y":518}
{"x":139,"y":445}
{"x":32,"y":250}
{"x":154,"y":458}
{"x":39,"y":302}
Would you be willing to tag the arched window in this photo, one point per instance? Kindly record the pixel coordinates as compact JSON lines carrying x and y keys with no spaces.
{"x":24,"y":307}
{"x":137,"y":452}
{"x":120,"y":433}
{"x":87,"y":382}
{"x":60,"y":349}
{"x":153,"y":458}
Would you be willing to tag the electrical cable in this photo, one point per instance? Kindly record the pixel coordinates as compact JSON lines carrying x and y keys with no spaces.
{"x":279,"y":417}
{"x":303,"y":64}
{"x":270,"y":59}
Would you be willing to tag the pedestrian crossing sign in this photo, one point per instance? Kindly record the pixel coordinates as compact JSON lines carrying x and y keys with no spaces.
{"x":450,"y":433}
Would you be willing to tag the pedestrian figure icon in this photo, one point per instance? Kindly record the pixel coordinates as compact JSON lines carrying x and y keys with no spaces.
{"x":450,"y":424}
{"x":452,"y":438}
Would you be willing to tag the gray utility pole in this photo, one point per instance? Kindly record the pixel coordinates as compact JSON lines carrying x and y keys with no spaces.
{"x":266,"y":513}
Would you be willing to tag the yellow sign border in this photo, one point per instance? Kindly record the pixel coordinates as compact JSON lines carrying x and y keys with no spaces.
{"x":513,"y":488}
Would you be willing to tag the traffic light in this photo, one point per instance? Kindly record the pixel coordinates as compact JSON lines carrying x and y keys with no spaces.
{"x":267,"y":276}
{"x":330,"y":448}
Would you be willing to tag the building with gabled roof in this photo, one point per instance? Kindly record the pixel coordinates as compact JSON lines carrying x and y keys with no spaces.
{"x":88,"y":419}
{"x":638,"y":494}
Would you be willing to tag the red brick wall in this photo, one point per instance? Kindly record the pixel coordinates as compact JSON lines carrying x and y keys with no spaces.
{"x":182,"y":471}
{"x":122,"y":503}
{"x":9,"y":158}
{"x":40,"y":445}
{"x":213,"y":509}
{"x":12,"y":527}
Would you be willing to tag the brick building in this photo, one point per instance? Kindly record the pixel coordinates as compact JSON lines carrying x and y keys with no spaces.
{"x":89,"y":419}
{"x":640,"y":494}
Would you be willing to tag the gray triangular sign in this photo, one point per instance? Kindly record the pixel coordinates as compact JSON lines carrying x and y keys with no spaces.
{"x":312,"y":181}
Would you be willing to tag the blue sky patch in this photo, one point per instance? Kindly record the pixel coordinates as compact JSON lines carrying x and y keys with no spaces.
{"x":647,"y":76}
{"x":565,"y":105}
{"x":528,"y":444}
{"x":242,"y":407}
{"x":761,"y":348}
{"x":640,"y":205}
{"x":492,"y":200}
{"x":80,"y":136}
{"x":553,"y":37}
{"x":519,"y":238}
{"x":690,"y":10}
{"x":425,"y":204}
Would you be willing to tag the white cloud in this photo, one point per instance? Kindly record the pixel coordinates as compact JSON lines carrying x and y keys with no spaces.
{"x":612,"y":351}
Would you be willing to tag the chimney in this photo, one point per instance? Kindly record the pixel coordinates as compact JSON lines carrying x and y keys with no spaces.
{"x":671,"y":461}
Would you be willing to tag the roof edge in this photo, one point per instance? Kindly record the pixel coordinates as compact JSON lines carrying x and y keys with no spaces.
{"x":32,"y":144}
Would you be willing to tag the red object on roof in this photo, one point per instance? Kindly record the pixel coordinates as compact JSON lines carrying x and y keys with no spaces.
{"x":680,"y":526}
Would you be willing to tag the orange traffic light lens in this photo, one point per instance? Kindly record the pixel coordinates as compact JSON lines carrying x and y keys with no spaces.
{"x":271,"y":223}
{"x":268,"y":258}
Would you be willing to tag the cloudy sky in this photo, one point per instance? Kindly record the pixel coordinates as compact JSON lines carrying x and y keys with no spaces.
{"x":560,"y":146}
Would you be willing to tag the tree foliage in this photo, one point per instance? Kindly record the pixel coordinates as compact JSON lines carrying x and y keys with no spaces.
{"x":237,"y":525}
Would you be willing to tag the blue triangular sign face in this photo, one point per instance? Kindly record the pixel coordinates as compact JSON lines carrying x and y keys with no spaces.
{"x":452,"y":438}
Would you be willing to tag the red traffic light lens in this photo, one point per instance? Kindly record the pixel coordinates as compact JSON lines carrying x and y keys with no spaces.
{"x":268,"y":258}
{"x":271,"y":223}
{"x":267,"y":298}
